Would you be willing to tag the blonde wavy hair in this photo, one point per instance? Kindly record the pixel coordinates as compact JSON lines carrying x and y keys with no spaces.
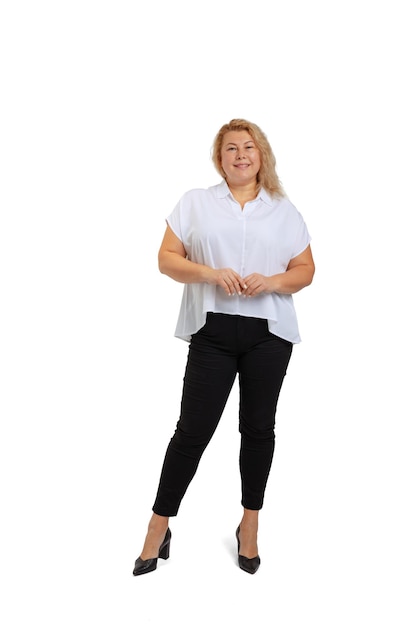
{"x":267,"y":175}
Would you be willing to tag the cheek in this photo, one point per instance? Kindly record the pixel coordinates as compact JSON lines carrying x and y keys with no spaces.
{"x":225,"y":162}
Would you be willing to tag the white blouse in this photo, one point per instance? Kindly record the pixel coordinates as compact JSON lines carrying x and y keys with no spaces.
{"x":262,"y":238}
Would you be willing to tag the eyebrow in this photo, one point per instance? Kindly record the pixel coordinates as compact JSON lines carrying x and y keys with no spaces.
{"x":232,"y":143}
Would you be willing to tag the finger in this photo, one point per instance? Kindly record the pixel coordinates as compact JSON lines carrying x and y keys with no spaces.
{"x":225,"y":286}
{"x":234,"y":283}
{"x":238,"y":284}
{"x":248,"y":281}
{"x":229,"y":285}
{"x":235,"y":287}
{"x":252,"y":289}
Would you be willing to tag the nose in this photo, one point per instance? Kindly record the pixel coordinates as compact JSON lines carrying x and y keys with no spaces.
{"x":240,"y":155}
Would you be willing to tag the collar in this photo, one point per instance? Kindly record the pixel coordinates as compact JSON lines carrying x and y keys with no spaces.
{"x":222,"y":191}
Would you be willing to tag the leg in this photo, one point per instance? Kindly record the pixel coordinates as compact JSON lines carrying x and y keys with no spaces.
{"x":248,"y":533}
{"x":209,"y":376}
{"x":156,"y":532}
{"x":261,"y":373}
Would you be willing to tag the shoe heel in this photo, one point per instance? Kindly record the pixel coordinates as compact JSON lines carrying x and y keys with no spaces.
{"x":247,"y":565}
{"x":164,"y":551}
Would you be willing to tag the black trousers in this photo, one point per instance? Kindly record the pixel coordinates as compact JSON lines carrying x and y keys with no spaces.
{"x":228,"y":345}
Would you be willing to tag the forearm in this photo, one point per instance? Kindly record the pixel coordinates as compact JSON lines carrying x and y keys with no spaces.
{"x":181,"y":269}
{"x":292,"y":280}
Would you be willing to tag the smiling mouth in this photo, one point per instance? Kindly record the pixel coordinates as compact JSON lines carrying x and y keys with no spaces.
{"x":242,"y":166}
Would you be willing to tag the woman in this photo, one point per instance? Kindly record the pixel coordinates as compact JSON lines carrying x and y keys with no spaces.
{"x":241,"y":249}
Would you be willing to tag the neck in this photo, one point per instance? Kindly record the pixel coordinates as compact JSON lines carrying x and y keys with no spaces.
{"x":244,"y":193}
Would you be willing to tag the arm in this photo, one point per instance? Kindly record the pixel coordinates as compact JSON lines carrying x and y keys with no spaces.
{"x":299,"y":274}
{"x":173,"y":261}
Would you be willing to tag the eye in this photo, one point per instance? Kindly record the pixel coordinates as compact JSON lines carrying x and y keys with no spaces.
{"x":231,"y":148}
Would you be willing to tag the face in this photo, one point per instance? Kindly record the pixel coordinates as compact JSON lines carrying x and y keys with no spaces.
{"x":241,"y":159}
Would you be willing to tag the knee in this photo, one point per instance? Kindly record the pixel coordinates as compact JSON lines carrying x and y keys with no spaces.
{"x":261,"y":433}
{"x":189,"y":444}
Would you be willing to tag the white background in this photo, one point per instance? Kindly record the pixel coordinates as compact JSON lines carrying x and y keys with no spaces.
{"x":108,"y":113}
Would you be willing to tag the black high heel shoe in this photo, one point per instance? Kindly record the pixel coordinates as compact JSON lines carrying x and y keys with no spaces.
{"x":248,"y":565}
{"x":149,"y":565}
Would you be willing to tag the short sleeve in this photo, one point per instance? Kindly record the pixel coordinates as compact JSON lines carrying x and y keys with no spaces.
{"x":174,"y":221}
{"x":302,"y":237}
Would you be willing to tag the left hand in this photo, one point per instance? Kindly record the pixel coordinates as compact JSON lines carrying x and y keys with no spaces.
{"x":257,"y":284}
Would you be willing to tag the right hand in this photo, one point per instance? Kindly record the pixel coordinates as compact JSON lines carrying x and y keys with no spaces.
{"x":228,"y":280}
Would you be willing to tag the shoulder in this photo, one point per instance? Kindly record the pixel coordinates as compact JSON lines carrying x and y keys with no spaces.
{"x":280,"y":202}
{"x":200,"y":192}
{"x":191,"y":203}
{"x":199,"y":196}
{"x":192,"y":194}
{"x":284,"y":205}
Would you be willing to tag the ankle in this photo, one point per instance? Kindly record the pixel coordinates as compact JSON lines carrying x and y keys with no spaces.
{"x":158,"y":523}
{"x":249,"y":521}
